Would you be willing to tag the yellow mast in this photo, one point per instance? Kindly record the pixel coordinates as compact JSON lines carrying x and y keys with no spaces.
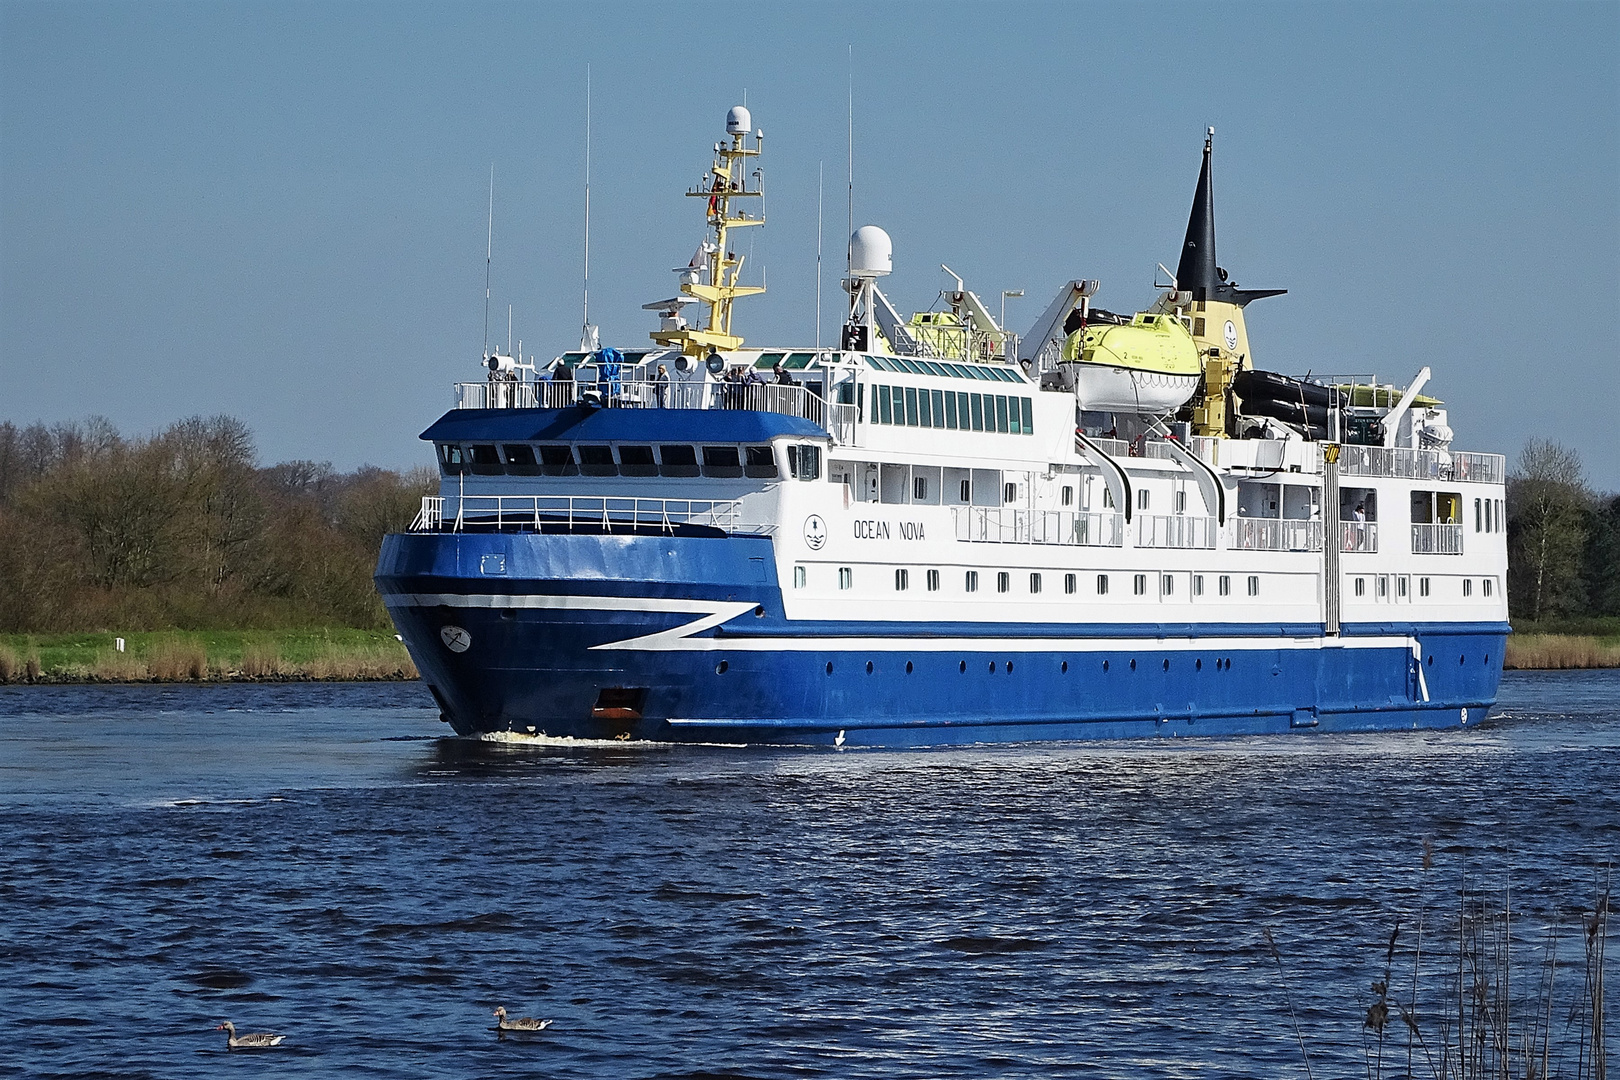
{"x":727,"y":179}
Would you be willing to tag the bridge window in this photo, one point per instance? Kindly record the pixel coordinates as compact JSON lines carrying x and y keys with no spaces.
{"x":971,"y":582}
{"x":484,"y":460}
{"x":759,"y":462}
{"x":558,"y":460}
{"x":597,"y":461}
{"x":520,"y":459}
{"x":452,"y":459}
{"x":637,"y":461}
{"x":804,"y":462}
{"x":721,"y":461}
{"x":674,"y":460}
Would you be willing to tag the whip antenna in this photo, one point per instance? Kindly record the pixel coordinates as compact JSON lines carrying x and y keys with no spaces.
{"x":489,"y":255}
{"x":821,"y":168}
{"x":849,"y":249}
{"x":585,"y":342}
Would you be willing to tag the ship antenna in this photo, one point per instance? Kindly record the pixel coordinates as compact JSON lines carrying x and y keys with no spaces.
{"x":489,"y":256}
{"x":849,"y":249}
{"x":585,"y":342}
{"x":821,"y":168}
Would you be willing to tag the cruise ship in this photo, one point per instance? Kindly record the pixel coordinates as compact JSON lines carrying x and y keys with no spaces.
{"x":1114,"y":525}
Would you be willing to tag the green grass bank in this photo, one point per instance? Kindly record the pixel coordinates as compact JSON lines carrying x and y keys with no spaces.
{"x":335,"y":654}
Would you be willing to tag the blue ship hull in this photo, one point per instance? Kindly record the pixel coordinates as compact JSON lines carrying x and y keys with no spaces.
{"x":684,"y":639}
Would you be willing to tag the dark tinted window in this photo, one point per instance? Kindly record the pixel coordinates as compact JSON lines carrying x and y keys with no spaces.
{"x":484,"y":461}
{"x":451,"y":458}
{"x":597,"y":461}
{"x":721,"y":461}
{"x":678,"y":460}
{"x":557,"y":461}
{"x":520,"y":459}
{"x":637,"y":461}
{"x":760,"y":463}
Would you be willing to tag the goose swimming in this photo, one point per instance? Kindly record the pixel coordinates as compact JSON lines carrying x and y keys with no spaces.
{"x":254,"y":1041}
{"x":519,"y":1023}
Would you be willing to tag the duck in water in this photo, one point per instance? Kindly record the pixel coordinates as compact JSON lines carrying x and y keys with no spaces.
{"x":259,"y":1040}
{"x":518,"y":1023}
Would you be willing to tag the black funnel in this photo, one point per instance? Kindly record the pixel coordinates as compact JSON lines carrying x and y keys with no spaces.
{"x":1197,"y":272}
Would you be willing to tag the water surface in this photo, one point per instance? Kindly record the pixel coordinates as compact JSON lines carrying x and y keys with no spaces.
{"x":320,"y":861}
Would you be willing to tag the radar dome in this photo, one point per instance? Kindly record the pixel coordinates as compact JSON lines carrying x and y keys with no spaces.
{"x":871,"y":253}
{"x":738,"y":122}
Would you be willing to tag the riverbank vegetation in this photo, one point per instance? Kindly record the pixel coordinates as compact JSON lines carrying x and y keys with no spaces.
{"x":183,"y":531}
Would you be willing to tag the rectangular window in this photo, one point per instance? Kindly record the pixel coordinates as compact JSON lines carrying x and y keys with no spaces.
{"x":1401,"y":585}
{"x":1139,"y":585}
{"x":485,"y":462}
{"x":1001,"y":413}
{"x":902,"y":580}
{"x":798,"y":577}
{"x":1142,"y":498}
{"x":520,"y":459}
{"x":919,"y":489}
{"x":1501,"y":522}
{"x":1361,"y":586}
{"x":885,"y":411}
{"x":454,"y":460}
{"x":971,"y":582}
{"x":638,"y":460}
{"x":938,"y":397}
{"x":1254,"y":585}
{"x":1225,"y":585}
{"x":559,"y":461}
{"x":846,"y":577}
{"x":1198,"y":584}
{"x":1003,"y":581}
{"x":1015,"y":417}
{"x":1167,"y":584}
{"x":672,"y":460}
{"x":1490,"y":523}
{"x":1487,"y":583}
{"x":1068,"y":495}
{"x":950,"y":409}
{"x":1009,"y":494}
{"x":1383,"y":586}
{"x":1029,"y":416}
{"x":721,"y":461}
{"x":1108,"y":498}
{"x":759,"y":462}
{"x":933,"y":581}
{"x":1102,"y":584}
{"x":1181,"y":502}
{"x":598,"y":461}
{"x":967,"y":492}
{"x":1423,"y":586}
{"x":1034,"y":583}
{"x":978,"y":412}
{"x":911,"y":406}
{"x":804,"y":462}
{"x":1468,"y":586}
{"x":1479,"y":515}
{"x":925,"y":408}
{"x":1071,"y":583}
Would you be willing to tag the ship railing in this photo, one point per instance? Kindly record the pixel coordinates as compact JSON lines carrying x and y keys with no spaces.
{"x":1358,"y":536}
{"x":1175,"y":531}
{"x":1443,"y":539}
{"x":1009,"y":525}
{"x":787,"y":399}
{"x":508,"y":513}
{"x":1408,"y":464}
{"x":1276,"y":534}
{"x":1156,"y":449}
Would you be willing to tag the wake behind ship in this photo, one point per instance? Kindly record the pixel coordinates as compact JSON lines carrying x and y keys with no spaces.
{"x":1113,"y":525}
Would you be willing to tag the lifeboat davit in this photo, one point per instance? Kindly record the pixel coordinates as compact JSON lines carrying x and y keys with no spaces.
{"x":1148,"y":365}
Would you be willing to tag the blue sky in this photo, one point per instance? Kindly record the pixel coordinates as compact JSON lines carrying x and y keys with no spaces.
{"x":278,"y":211}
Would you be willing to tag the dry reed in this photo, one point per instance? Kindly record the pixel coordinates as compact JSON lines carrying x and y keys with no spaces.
{"x":114,"y":666}
{"x":10,"y":665}
{"x":1559,"y":652}
{"x":262,"y":661}
{"x":357,"y":664}
{"x":176,"y":661}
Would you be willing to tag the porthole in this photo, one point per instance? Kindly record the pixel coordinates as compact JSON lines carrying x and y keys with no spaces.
{"x":1105,"y":665}
{"x":1167,"y":663}
{"x":869,"y":667}
{"x":1009,"y":667}
{"x":908,"y":667}
{"x":759,"y":611}
{"x":720,"y":668}
{"x":962,"y":667}
{"x":1198,"y":665}
{"x":1064,"y":667}
{"x":1133,"y":664}
{"x":829,"y":667}
{"x":992,"y":667}
{"x":1431,"y":660}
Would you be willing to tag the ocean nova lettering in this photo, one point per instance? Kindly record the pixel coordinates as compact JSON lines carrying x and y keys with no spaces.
{"x":868,"y":529}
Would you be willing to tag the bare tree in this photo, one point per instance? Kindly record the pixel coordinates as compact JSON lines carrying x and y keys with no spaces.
{"x":1548,"y":503}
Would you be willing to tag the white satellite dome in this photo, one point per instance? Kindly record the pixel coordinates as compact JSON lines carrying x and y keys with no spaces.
{"x":871,"y":252}
{"x":738,"y":121}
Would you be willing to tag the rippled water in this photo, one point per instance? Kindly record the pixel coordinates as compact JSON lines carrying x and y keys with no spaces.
{"x":317,"y":861}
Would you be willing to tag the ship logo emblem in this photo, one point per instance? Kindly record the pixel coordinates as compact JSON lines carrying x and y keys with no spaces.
{"x":815,"y":532}
{"x":455,"y":639}
{"x":1231,"y":336}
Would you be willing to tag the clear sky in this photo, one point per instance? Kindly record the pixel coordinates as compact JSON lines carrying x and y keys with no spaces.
{"x":278,"y":210}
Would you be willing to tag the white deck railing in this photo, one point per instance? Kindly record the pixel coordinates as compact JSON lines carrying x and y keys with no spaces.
{"x":1358,"y":536}
{"x":1175,"y":531}
{"x":1008,"y":525}
{"x":788,"y":400}
{"x":1276,"y":534}
{"x":606,"y":512}
{"x":1437,"y":539}
{"x":1394,"y":461}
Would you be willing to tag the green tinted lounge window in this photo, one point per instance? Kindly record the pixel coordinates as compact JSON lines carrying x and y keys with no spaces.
{"x":885,"y":416}
{"x":911,"y":406}
{"x":1001,"y":413}
{"x":950,"y":409}
{"x":1015,"y":417}
{"x":767,"y":360}
{"x":925,"y":408}
{"x":798,"y":360}
{"x":1029,"y":416}
{"x":978,"y":412}
{"x":939,"y":407}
